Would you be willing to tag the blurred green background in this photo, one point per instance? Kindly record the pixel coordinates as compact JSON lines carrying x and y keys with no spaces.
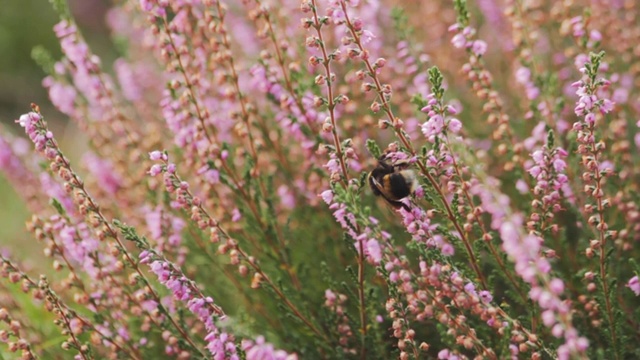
{"x":25,"y":24}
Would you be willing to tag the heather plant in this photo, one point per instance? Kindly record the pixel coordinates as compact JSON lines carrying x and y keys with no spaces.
{"x":218,"y":206}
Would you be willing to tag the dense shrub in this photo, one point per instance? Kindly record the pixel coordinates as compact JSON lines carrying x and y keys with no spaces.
{"x":223,"y":210}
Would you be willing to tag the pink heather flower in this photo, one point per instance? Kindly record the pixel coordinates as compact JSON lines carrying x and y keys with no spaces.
{"x":367,"y":37}
{"x":468,"y":31}
{"x":62,"y":96}
{"x":523,"y":75}
{"x":607,"y":106}
{"x":153,"y":220}
{"x":287,"y":199}
{"x":212,"y":176}
{"x":454,"y":125}
{"x":559,"y":165}
{"x":337,"y":15}
{"x":327,"y":196}
{"x":236,"y":215}
{"x":146,"y":5}
{"x":104,"y":171}
{"x":448,"y":250}
{"x":27,"y":120}
{"x":548,"y":318}
{"x":522,"y":186}
{"x":155,"y":170}
{"x":333,"y":166}
{"x":470,"y":288}
{"x":374,"y":251}
{"x":535,"y":171}
{"x":581,"y":59}
{"x":634,"y":285}
{"x":130,"y":86}
{"x":262,"y":350}
{"x":443,"y":354}
{"x":419,"y":192}
{"x":620,"y":95}
{"x":330,"y":296}
{"x":606,"y":165}
{"x":433,"y":127}
{"x":157,"y":155}
{"x":459,"y":41}
{"x":595,"y":35}
{"x":485,"y":296}
{"x":479,"y":47}
{"x":557,"y":286}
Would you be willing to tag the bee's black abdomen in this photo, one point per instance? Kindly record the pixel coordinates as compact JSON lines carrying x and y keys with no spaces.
{"x":399,"y":187}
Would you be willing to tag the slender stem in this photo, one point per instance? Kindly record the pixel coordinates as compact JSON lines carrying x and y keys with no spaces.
{"x":253,"y":264}
{"x":478,"y":219}
{"x":405,"y":142}
{"x":188,"y":83}
{"x":287,"y":80}
{"x":603,"y":239}
{"x":92,"y":208}
{"x":363,"y":317}
{"x":326,"y":62}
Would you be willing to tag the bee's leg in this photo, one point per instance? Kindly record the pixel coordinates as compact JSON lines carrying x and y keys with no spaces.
{"x":404,"y":205}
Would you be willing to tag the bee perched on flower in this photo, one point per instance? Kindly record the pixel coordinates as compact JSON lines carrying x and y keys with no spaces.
{"x":393,"y":181}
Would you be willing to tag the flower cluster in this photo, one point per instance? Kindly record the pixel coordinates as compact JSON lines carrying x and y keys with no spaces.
{"x":231,"y":149}
{"x":220,"y":344}
{"x":551,"y":183}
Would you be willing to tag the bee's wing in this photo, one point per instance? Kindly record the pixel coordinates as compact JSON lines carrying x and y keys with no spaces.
{"x":378,"y":186}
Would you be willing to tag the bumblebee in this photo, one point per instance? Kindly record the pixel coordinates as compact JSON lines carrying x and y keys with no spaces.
{"x":393,"y":182}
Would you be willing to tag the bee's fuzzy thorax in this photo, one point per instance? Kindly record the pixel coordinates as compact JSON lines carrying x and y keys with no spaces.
{"x":393,"y":182}
{"x":411,"y":178}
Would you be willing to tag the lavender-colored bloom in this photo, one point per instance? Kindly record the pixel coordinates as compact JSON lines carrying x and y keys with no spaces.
{"x":479,"y":47}
{"x":634,"y":285}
